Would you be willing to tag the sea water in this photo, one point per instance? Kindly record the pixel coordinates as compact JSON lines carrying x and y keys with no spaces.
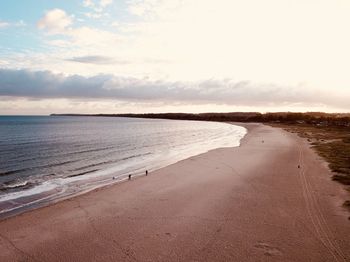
{"x":45,"y":158}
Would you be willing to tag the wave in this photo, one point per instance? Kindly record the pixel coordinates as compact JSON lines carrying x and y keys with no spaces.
{"x":83,"y":173}
{"x":11,"y":172}
{"x":74,"y":167}
{"x":19,"y":157}
{"x":15,"y":185}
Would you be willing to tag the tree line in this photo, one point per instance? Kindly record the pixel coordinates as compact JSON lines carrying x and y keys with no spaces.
{"x":314,"y":118}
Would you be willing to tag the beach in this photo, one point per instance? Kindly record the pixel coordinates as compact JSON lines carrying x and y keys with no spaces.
{"x":271,"y":199}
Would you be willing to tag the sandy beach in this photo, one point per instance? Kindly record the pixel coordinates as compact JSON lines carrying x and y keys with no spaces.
{"x":250,"y":203}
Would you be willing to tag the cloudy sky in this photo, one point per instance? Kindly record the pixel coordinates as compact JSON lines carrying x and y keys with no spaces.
{"x":117,"y":56}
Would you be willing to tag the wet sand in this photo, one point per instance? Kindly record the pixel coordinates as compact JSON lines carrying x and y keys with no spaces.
{"x":250,"y":203}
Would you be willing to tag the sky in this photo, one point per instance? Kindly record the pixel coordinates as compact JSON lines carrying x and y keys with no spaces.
{"x":122,"y":56}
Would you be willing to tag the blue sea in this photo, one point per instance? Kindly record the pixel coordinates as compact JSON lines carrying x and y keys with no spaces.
{"x":47,"y":158}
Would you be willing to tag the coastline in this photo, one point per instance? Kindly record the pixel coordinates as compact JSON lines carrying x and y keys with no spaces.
{"x":54,"y":189}
{"x":249,"y":203}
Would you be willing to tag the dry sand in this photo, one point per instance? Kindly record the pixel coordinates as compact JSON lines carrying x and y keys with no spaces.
{"x":250,"y":203}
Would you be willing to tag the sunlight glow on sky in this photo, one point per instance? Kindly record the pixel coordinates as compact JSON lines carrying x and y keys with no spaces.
{"x":115,"y":56}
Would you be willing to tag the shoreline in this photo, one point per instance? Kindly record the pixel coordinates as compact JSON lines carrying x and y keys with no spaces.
{"x":249,"y":203}
{"x":47,"y":199}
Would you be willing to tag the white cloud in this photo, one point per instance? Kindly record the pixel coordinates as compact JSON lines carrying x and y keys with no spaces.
{"x":158,"y":8}
{"x":93,"y":40}
{"x":4,"y":24}
{"x":59,"y":43}
{"x":97,"y":8}
{"x":275,"y":41}
{"x":104,"y":3}
{"x":278,"y":41}
{"x":88,"y":3}
{"x":93,"y":15}
{"x":115,"y":24}
{"x":22,"y":106}
{"x":228,"y":38}
{"x":55,"y":21}
{"x":101,"y":3}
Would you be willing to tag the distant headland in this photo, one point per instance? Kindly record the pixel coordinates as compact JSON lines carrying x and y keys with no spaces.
{"x":314,"y":118}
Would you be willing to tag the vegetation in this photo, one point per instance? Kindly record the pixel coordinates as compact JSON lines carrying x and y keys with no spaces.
{"x":330,"y":142}
{"x":313,"y":118}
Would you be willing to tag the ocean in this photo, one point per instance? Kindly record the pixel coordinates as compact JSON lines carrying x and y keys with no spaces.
{"x":44,"y":158}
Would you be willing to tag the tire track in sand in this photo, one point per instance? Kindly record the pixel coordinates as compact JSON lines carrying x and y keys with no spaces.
{"x":316,"y":216}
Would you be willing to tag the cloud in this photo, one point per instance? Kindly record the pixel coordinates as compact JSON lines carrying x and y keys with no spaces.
{"x":104,"y":3}
{"x":158,"y":8}
{"x":97,"y":8}
{"x":88,"y":3}
{"x":93,"y":15}
{"x":86,"y":38}
{"x":59,"y":43}
{"x":4,"y":24}
{"x":44,"y":84}
{"x":107,"y":60}
{"x":115,"y":24}
{"x":95,"y":60}
{"x":201,"y":39}
{"x":55,"y":21}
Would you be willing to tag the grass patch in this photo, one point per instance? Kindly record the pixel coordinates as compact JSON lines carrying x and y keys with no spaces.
{"x":332,"y":143}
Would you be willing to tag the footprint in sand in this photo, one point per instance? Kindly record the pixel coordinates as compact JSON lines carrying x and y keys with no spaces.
{"x":267,"y":249}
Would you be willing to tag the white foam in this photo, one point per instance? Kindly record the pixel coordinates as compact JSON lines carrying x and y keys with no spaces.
{"x":44,"y":187}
